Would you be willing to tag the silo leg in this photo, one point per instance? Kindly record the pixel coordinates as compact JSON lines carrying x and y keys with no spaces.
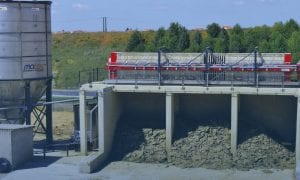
{"x":234,"y":123}
{"x":49,"y":133}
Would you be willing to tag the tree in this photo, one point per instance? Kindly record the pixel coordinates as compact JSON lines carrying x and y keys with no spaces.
{"x":277,"y":42}
{"x":213,"y":30}
{"x":237,"y":29}
{"x":136,"y":42}
{"x":253,"y":37}
{"x":278,"y":27}
{"x":177,"y":38}
{"x":160,"y":38}
{"x":264,"y":46}
{"x":196,"y":42}
{"x":222,"y":42}
{"x":294,"y":45}
{"x":208,"y":42}
{"x":236,"y":40}
{"x":183,"y":41}
{"x":290,"y":27}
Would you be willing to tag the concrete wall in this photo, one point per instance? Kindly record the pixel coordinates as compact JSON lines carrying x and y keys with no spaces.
{"x":109,"y":111}
{"x":147,"y":107}
{"x":204,"y":106}
{"x":277,"y":114}
{"x":108,"y":119}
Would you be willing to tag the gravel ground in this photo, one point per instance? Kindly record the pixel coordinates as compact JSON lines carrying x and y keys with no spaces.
{"x":200,"y":144}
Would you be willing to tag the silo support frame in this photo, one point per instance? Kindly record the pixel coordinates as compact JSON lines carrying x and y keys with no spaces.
{"x":49,"y":132}
{"x":28,"y":104}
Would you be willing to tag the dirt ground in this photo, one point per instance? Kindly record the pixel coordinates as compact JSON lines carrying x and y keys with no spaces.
{"x":63,"y":126}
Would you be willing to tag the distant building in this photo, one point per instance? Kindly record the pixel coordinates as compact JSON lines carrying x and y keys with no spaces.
{"x":199,"y":29}
{"x":227,"y":27}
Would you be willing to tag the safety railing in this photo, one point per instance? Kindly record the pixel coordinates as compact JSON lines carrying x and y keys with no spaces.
{"x":95,"y":74}
{"x":224,"y":78}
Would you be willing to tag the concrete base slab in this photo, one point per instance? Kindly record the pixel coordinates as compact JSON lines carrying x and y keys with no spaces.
{"x":91,"y":162}
{"x":136,"y":171}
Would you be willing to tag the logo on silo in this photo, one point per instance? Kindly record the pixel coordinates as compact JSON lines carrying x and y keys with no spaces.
{"x":33,"y":67}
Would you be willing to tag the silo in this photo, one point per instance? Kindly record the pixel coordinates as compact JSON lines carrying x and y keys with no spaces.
{"x":25,"y":57}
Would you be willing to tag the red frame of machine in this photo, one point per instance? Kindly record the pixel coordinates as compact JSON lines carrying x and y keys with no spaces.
{"x":113,"y":67}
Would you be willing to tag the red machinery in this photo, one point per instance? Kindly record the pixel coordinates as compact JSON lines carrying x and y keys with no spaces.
{"x":270,"y":69}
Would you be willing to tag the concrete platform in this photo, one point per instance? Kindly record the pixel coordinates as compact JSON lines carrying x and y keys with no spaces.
{"x":67,"y":168}
{"x":278,"y":109}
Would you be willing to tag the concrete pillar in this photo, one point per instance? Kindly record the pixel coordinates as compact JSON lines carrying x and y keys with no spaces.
{"x":234,"y":123}
{"x":101,"y":122}
{"x":169,"y":119}
{"x":83,"y":125}
{"x":298,"y":132}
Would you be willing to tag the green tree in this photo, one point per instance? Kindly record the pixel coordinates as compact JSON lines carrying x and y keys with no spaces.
{"x":136,"y":42}
{"x":213,"y":30}
{"x":177,"y":38}
{"x":208,"y":42}
{"x":160,"y":38}
{"x":184,"y":41}
{"x":278,"y":27}
{"x":236,"y":39}
{"x":254,"y":36}
{"x":289,"y":27}
{"x":277,"y":42}
{"x":196,"y":42}
{"x":264,"y":46}
{"x":221,"y":44}
{"x":294,"y":45}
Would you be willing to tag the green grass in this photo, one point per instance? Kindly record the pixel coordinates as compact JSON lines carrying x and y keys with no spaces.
{"x":82,"y":52}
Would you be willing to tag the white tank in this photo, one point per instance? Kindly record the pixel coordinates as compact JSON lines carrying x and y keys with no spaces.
{"x":25,"y":54}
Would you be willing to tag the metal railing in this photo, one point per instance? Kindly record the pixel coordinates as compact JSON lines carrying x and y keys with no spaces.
{"x":88,"y":76}
{"x":225,"y":78}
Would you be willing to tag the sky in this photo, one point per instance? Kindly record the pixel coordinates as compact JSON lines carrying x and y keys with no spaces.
{"x":86,"y":15}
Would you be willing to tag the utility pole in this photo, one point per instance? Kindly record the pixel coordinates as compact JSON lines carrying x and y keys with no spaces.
{"x":104,"y":24}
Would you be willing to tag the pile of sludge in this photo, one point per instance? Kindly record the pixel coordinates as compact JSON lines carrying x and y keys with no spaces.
{"x":200,"y":145}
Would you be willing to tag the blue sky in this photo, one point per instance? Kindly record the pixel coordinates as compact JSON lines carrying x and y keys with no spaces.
{"x":71,"y":15}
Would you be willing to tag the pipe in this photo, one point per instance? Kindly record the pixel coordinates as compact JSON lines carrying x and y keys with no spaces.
{"x":91,"y":122}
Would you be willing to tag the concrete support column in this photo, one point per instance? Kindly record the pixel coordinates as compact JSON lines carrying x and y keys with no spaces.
{"x":169,"y":119}
{"x":298,"y":133}
{"x":83,"y":125}
{"x":101,"y":119}
{"x":234,"y":123}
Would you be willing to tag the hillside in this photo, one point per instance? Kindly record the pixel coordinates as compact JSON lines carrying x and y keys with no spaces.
{"x":74,"y":52}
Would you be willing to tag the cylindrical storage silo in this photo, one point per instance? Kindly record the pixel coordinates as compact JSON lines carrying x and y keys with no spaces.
{"x":25,"y":56}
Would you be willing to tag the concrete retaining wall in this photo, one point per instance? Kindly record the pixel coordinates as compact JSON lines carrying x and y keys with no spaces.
{"x":277,"y":114}
{"x":147,"y":107}
{"x":204,"y":106}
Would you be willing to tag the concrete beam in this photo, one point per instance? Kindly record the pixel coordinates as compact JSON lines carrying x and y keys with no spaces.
{"x":234,"y":123}
{"x":83,"y":123}
{"x":194,"y":89}
{"x":169,"y":120}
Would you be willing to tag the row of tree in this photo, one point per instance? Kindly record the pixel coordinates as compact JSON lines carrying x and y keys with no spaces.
{"x":281,"y":37}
